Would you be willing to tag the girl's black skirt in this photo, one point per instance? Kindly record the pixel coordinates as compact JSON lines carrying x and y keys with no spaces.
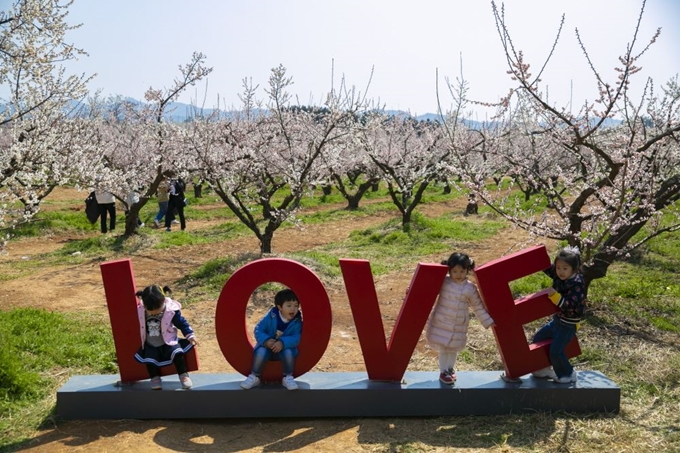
{"x":162,"y":355}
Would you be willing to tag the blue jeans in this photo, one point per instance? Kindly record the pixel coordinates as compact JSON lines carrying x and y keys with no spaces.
{"x":561,"y":335}
{"x":262,"y":354}
{"x":162,"y":209}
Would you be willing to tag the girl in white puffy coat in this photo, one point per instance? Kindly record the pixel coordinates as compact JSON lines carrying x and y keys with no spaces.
{"x":447,"y":327}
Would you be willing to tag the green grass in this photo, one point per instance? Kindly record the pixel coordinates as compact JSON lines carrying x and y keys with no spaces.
{"x":388,"y":248}
{"x":37,"y":346}
{"x":205,"y":209}
{"x":330,"y":215}
{"x":323,"y":263}
{"x":207,"y":281}
{"x":47,"y":222}
{"x":642,"y":294}
{"x":530,"y":284}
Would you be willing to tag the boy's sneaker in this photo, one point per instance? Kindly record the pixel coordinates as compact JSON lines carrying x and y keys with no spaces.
{"x":567,"y":379}
{"x":186,"y":381}
{"x":250,"y":382}
{"x":447,"y":377}
{"x":289,"y":383}
{"x":545,"y":373}
{"x":156,"y":383}
{"x":156,"y":223}
{"x":168,"y":229}
{"x":175,"y":222}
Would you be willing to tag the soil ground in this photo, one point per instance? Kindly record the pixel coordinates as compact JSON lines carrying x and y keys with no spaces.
{"x":79,"y":287}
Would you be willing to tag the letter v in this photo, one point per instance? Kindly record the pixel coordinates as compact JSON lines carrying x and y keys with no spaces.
{"x":388,"y":363}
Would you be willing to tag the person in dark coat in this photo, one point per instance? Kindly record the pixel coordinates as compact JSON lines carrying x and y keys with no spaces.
{"x":176,"y":203}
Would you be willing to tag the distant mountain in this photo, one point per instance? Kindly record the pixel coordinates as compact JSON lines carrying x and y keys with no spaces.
{"x":429,"y":117}
{"x":179,"y":112}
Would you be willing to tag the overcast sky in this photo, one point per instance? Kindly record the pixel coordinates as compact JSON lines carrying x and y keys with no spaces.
{"x":135,"y":44}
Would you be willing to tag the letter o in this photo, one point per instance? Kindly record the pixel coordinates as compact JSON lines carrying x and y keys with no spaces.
{"x":230,"y":314}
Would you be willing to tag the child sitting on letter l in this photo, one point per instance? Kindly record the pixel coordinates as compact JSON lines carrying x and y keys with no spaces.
{"x":159,"y":319}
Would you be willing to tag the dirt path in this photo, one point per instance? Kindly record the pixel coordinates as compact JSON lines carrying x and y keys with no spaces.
{"x":79,"y":287}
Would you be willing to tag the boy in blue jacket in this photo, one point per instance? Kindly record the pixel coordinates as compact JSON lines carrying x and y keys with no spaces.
{"x":277,"y":335}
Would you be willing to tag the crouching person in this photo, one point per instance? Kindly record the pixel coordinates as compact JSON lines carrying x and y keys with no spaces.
{"x":277,"y":336}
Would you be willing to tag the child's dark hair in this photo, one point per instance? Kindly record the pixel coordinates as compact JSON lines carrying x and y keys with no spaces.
{"x":284,"y":295}
{"x":459,"y":259}
{"x":153,"y":296}
{"x":571,"y":256}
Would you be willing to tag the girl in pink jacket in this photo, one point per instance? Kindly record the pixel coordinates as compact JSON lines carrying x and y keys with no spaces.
{"x":448,"y":324}
{"x":159,"y":319}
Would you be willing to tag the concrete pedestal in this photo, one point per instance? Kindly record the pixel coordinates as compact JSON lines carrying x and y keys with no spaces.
{"x":348,"y":394}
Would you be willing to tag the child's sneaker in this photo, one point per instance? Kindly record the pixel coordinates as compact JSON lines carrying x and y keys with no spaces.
{"x":289,"y":383}
{"x":545,"y":373}
{"x":186,"y":381}
{"x":447,"y":377}
{"x":156,"y":223}
{"x":156,"y":383}
{"x":250,"y":382}
{"x":566,"y":379}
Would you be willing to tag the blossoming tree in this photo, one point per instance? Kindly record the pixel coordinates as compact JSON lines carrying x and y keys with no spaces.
{"x":39,"y":140}
{"x":608,"y":175}
{"x":261,"y":163}
{"x":137,"y":149}
{"x":409,"y":154}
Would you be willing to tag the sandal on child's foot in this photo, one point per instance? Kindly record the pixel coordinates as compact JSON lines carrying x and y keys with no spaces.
{"x":156,"y":383}
{"x":545,"y":373}
{"x":447,"y":377}
{"x":186,"y":381}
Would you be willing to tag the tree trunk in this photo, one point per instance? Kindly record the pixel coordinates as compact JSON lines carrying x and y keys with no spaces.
{"x":406,"y":221}
{"x":132,"y":216}
{"x":266,"y":242}
{"x":131,"y":222}
{"x":353,"y":201}
{"x":198,"y":190}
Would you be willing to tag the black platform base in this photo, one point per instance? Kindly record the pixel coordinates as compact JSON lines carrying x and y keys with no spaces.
{"x":334,"y":395}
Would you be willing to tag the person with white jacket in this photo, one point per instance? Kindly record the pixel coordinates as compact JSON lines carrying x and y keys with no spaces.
{"x":107,"y":205}
{"x":447,"y":327}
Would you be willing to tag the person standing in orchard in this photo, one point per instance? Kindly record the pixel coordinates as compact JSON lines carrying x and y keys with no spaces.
{"x":107,"y":205}
{"x":163,"y":195}
{"x":176,"y":201}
